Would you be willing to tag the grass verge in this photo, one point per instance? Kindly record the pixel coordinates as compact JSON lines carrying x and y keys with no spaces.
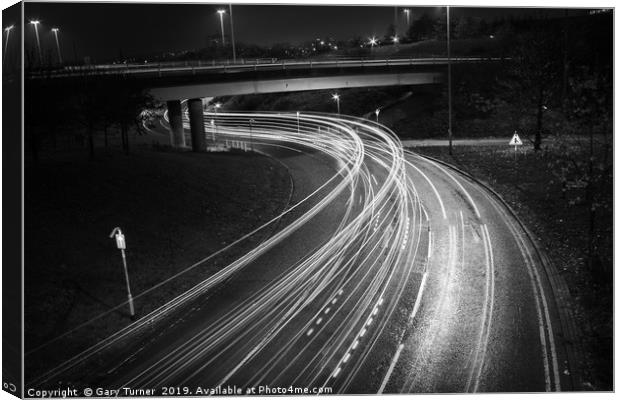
{"x":174,"y":208}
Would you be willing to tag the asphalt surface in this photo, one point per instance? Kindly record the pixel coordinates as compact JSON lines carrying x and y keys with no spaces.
{"x":389,"y":274}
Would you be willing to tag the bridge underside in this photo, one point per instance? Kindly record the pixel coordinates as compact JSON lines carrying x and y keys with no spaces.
{"x":213,"y":89}
{"x":194,"y":92}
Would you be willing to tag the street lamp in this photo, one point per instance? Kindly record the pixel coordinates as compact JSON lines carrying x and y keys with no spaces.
{"x":336,"y":97}
{"x":407,"y":12}
{"x":55,"y":30}
{"x":395,"y":39}
{"x":6,"y":44}
{"x":119,"y":237}
{"x":251,"y":141}
{"x":449,"y":82}
{"x":298,"y":122}
{"x":222,"y":12}
{"x":232,"y":34}
{"x":35,"y":23}
{"x":373,"y":42}
{"x":377,"y":114}
{"x":215,"y":107}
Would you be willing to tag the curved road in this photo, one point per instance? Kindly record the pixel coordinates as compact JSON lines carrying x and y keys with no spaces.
{"x":389,"y":273}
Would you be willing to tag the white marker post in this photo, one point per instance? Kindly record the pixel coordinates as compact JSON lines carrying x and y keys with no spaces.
{"x":515,"y":141}
{"x":121,"y":245}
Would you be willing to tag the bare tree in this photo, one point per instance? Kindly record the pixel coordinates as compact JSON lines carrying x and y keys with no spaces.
{"x":534,"y":75}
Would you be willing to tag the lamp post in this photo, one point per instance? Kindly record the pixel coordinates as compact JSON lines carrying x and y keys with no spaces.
{"x":377,"y":114}
{"x":215,"y":107}
{"x":337,"y":98}
{"x":298,"y":122}
{"x":222,"y":12}
{"x":251,"y":141}
{"x":6,"y":44}
{"x":407,"y":16}
{"x":35,"y":23}
{"x":117,"y":234}
{"x":449,"y":82}
{"x":232,"y":34}
{"x":55,"y":30}
{"x":373,"y":42}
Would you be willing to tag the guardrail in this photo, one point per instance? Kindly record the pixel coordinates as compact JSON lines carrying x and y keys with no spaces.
{"x":193,"y":67}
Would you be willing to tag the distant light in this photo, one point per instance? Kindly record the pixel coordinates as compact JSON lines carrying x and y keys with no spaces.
{"x":55,"y":29}
{"x":34,"y":22}
{"x":395,"y":39}
{"x":377,"y":111}
{"x":221,"y":11}
{"x":373,"y":41}
{"x":335,"y":96}
{"x":322,"y":42}
{"x":491,"y":36}
{"x":218,"y":105}
{"x":335,"y":47}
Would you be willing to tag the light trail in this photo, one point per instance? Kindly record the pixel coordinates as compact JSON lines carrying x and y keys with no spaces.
{"x":315,"y":321}
{"x":352,"y":258}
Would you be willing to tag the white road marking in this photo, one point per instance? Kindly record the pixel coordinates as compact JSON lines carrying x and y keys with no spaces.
{"x":390,"y":369}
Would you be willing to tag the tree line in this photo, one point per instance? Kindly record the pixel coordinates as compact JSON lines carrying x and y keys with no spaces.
{"x":77,"y":110}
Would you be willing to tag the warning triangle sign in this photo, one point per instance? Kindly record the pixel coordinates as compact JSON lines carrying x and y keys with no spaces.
{"x":515,"y":141}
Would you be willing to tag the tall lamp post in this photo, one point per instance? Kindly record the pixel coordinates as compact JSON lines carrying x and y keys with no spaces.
{"x":407,"y":15}
{"x":6,"y":43}
{"x":55,"y":30}
{"x":222,"y":12}
{"x":35,"y":23}
{"x":449,"y":82}
{"x":232,"y":34}
{"x":337,"y":98}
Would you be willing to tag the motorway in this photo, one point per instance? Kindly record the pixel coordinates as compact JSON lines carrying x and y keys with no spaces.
{"x":388,"y":273}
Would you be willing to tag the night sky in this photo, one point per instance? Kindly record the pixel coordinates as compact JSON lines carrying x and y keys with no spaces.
{"x":102,"y":31}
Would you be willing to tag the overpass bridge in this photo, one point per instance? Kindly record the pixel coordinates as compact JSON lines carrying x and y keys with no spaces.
{"x":193,"y":80}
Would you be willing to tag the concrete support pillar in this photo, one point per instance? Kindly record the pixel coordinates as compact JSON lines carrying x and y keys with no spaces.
{"x":196,"y":124}
{"x":177,"y":137}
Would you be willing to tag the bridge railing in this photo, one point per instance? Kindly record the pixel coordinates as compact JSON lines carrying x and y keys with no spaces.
{"x":217,"y":66}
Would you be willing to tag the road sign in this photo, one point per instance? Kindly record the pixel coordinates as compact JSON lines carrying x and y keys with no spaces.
{"x":515,"y":141}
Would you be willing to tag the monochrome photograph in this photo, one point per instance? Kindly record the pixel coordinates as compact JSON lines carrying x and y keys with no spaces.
{"x":298,"y":199}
